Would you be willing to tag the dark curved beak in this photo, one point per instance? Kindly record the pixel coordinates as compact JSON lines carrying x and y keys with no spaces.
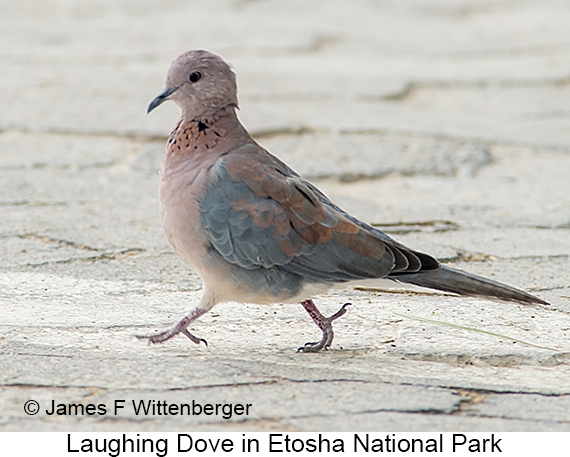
{"x":161,"y":98}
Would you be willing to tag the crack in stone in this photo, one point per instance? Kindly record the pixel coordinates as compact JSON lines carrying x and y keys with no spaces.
{"x":404,"y":133}
{"x":546,"y":227}
{"x":493,"y":360}
{"x":61,"y":167}
{"x":411,"y":87}
{"x":103,"y":256}
{"x":534,"y":50}
{"x":287,"y":131}
{"x":133,"y":135}
{"x":473,"y":397}
{"x":463,"y":255}
{"x":548,"y":289}
{"x":146,"y":137}
{"x":436,"y":226}
{"x":429,"y":226}
{"x":467,"y":395}
{"x":59,"y":241}
{"x":34,"y":204}
{"x":540,"y":257}
{"x":469,"y":398}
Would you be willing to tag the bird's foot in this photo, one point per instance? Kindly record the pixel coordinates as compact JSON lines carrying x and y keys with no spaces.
{"x":180,"y":327}
{"x":324,"y":323}
{"x":165,"y":335}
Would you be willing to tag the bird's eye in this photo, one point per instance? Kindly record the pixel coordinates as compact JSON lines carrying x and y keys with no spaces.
{"x":195,"y":76}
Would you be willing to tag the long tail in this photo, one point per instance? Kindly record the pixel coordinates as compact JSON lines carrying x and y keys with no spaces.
{"x":451,"y":280}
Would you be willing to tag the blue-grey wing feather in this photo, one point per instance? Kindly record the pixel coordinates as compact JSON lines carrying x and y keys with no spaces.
{"x":255,"y":224}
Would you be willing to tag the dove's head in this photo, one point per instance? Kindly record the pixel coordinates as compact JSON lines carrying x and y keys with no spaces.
{"x":201,"y":83}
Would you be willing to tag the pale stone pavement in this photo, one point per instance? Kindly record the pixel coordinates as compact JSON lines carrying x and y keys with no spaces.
{"x":445,"y":123}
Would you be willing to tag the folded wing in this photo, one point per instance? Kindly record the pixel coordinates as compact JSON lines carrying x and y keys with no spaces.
{"x":261,"y":214}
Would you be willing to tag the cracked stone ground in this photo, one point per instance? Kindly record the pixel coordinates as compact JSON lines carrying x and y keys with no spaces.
{"x":443,"y":123}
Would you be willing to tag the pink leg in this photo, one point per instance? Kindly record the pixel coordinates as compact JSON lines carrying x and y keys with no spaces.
{"x":324,"y":323}
{"x":180,"y":327}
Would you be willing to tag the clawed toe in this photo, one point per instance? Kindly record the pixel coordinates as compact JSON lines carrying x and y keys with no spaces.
{"x":193,"y":338}
{"x":340,"y":312}
{"x":315,"y":346}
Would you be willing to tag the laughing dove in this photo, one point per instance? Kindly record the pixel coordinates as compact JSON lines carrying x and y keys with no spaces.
{"x":254,"y":230}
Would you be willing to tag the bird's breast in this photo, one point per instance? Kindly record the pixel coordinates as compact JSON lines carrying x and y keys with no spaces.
{"x":182,"y":183}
